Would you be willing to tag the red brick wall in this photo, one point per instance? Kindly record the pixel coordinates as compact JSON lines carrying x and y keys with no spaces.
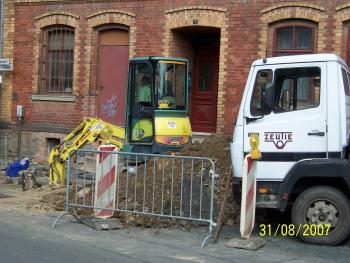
{"x":244,"y":27}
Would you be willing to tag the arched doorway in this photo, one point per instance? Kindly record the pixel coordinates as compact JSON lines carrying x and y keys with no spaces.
{"x":201,"y":46}
{"x":113,"y":56}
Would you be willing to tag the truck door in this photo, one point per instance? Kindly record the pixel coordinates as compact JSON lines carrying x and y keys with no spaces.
{"x":293,"y":125}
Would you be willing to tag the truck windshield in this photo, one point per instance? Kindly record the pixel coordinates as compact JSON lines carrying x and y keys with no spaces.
{"x":170,"y":83}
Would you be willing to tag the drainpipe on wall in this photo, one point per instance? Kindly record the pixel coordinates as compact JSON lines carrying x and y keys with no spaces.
{"x":2,"y":5}
{"x":20,"y":117}
{"x":5,"y":145}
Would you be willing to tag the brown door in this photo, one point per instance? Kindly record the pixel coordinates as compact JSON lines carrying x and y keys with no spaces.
{"x":204,"y":91}
{"x":113,"y":75}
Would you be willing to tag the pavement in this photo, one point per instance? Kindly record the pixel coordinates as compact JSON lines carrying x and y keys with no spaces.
{"x":27,"y":236}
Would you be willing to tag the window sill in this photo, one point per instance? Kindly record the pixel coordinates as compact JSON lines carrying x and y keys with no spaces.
{"x":53,"y":98}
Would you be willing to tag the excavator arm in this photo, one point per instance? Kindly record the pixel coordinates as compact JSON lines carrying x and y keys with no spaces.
{"x":90,"y":130}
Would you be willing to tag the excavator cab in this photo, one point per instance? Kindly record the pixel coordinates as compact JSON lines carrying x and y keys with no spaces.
{"x":157,"y":105}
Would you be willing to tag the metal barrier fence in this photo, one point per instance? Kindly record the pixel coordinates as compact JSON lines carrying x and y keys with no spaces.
{"x":177,"y":187}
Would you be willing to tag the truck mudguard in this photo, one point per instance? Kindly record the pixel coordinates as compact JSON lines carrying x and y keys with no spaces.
{"x":315,"y":168}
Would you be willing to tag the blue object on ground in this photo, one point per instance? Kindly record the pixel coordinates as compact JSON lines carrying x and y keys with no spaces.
{"x":15,"y":167}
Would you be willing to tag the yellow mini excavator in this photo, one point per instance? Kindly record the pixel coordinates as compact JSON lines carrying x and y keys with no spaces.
{"x":90,"y":130}
{"x":156,"y":115}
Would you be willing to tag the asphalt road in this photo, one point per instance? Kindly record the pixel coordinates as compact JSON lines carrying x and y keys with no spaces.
{"x":26,"y":236}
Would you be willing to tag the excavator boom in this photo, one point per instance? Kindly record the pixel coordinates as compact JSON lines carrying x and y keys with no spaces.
{"x":90,"y":130}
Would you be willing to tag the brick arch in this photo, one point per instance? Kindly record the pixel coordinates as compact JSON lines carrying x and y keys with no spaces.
{"x":111,"y":16}
{"x":51,"y":19}
{"x":68,"y":14}
{"x":298,"y":11}
{"x":293,"y":4}
{"x":111,"y":11}
{"x":342,"y":16}
{"x":208,"y":16}
{"x":95,"y":20}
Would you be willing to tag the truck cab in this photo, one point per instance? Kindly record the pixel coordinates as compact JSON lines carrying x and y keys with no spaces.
{"x":299,"y":107}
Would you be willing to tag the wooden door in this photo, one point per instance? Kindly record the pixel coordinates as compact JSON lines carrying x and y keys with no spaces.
{"x":113,"y":75}
{"x":205,"y":89}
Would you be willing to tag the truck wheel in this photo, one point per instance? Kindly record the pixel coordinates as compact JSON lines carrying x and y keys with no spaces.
{"x":322,"y":205}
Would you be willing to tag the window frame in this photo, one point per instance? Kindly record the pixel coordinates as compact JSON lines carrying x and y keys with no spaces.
{"x":45,"y":87}
{"x":295,"y":92}
{"x":176,"y":67}
{"x":138,"y":110}
{"x":252,"y":109}
{"x":347,"y":87}
{"x":294,"y":50}
{"x":277,"y":94}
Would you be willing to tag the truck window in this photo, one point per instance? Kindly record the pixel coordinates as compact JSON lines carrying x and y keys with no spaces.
{"x":349,"y":86}
{"x":297,"y":89}
{"x":345,"y":81}
{"x":263,"y":78}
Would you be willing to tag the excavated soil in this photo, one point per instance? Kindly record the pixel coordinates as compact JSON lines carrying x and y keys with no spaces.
{"x":149,"y":183}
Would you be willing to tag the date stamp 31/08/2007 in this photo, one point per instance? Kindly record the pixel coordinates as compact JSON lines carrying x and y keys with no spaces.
{"x":268,"y":230}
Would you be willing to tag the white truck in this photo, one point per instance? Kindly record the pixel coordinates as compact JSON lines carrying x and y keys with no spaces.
{"x":299,"y":106}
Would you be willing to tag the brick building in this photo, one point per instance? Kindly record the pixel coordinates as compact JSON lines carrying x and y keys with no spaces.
{"x":64,"y":53}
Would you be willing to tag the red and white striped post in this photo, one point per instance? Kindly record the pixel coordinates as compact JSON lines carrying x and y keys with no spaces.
{"x":105,"y":185}
{"x":249,"y":188}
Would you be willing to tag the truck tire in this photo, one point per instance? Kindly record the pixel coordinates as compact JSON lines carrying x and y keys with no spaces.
{"x":322,"y":205}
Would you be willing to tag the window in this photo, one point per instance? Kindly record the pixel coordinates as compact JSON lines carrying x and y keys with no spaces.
{"x":297,"y":89}
{"x":293,"y":89}
{"x":170,"y":85}
{"x":143,"y":84}
{"x":293,"y":39}
{"x":141,"y":112}
{"x":263,"y":79}
{"x":345,"y":81}
{"x":347,"y":92}
{"x":204,"y":76}
{"x":57,"y":60}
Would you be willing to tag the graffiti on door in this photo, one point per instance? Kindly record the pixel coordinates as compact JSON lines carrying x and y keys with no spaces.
{"x":110,"y":107}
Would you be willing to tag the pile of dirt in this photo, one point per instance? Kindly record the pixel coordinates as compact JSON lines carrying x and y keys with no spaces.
{"x":217,"y":148}
{"x":180,"y":177}
{"x":53,"y":199}
{"x":164,"y":186}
